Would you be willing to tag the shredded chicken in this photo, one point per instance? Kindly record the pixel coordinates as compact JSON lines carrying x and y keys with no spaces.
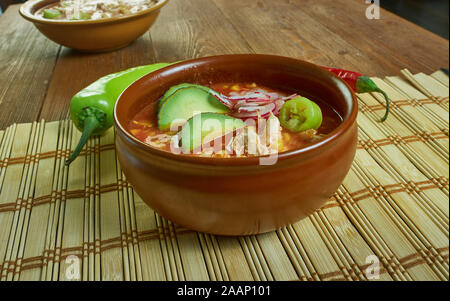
{"x":273,"y":133}
{"x":158,"y":140}
{"x":311,"y":135}
{"x":248,"y":142}
{"x":98,"y":9}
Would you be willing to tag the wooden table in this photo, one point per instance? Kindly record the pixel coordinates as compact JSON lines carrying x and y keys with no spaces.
{"x":39,"y":77}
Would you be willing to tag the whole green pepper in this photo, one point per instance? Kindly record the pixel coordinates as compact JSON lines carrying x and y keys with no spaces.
{"x":91,"y":109}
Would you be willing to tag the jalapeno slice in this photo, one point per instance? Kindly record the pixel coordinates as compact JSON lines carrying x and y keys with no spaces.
{"x":300,"y":114}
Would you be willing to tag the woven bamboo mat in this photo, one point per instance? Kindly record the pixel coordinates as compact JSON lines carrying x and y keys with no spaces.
{"x":86,"y":222}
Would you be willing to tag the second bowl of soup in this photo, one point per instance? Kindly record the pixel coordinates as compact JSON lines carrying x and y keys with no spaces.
{"x":236,"y":144}
{"x":92,"y":26}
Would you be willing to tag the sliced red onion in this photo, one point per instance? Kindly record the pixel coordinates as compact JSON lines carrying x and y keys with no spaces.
{"x":255,"y":104}
{"x":250,"y":96}
{"x":278,"y":104}
{"x":273,"y":95}
{"x":259,"y":100}
{"x":290,"y":96}
{"x":250,"y":109}
{"x":254,"y":112}
{"x":244,"y":103}
{"x":253,"y":93}
{"x":222,"y":98}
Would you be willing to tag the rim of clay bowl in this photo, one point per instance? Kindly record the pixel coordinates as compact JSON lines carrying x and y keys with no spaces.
{"x":28,"y":10}
{"x":346,"y":124}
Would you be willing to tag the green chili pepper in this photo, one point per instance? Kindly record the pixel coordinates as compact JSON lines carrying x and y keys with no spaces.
{"x":364,"y":85}
{"x":360,"y":84}
{"x":91,"y":109}
{"x":300,"y":114}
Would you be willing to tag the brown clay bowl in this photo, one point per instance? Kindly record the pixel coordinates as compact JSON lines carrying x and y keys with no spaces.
{"x":237,"y":196}
{"x":92,"y":35}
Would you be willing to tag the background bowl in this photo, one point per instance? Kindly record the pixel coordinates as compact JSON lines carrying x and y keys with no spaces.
{"x":92,"y":35}
{"x":237,"y":196}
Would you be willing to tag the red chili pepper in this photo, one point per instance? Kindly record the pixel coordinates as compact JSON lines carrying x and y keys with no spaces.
{"x":360,"y":84}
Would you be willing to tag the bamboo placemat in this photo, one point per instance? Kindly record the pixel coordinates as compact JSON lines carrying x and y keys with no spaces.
{"x":56,"y":221}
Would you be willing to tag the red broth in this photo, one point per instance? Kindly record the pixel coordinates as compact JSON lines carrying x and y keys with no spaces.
{"x":144,"y":126}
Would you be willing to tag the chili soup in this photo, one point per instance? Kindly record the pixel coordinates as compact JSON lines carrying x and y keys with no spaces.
{"x":261,"y":121}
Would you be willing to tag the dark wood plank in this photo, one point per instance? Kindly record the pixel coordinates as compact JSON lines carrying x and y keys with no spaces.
{"x":322,"y":32}
{"x":75,"y":70}
{"x":38,"y":77}
{"x":391,"y":38}
{"x":431,"y":14}
{"x":27,"y":60}
{"x":181,"y":32}
{"x":272,"y":27}
{"x":5,"y":3}
{"x":195,"y":28}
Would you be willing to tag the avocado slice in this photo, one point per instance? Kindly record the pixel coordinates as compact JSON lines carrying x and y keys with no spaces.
{"x":171,"y":91}
{"x":174,"y":89}
{"x":205,"y":127}
{"x":52,"y":13}
{"x":184,"y":103}
{"x":84,"y":16}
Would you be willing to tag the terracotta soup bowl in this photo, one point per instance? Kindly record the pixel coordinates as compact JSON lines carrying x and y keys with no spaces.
{"x":238,"y":196}
{"x":92,"y":35}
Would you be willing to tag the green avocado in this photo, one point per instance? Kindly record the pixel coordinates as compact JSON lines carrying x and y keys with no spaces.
{"x":205,"y":127}
{"x":171,"y":91}
{"x":178,"y":87}
{"x":52,"y":13}
{"x":84,"y":16}
{"x":184,"y":103}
